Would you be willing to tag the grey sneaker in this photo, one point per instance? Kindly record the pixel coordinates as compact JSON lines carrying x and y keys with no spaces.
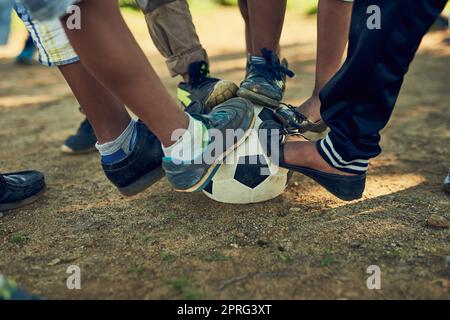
{"x":229,"y":125}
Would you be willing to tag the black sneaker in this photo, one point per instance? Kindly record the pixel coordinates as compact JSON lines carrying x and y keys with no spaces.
{"x":201,"y":87}
{"x":20,"y":189}
{"x":83,"y":141}
{"x":235,"y":116}
{"x":265,"y":83}
{"x":447,"y":183}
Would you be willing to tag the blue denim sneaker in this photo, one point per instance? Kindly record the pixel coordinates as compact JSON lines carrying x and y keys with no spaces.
{"x":143,"y":166}
{"x":235,"y":116}
{"x":83,"y":141}
{"x":265,"y":83}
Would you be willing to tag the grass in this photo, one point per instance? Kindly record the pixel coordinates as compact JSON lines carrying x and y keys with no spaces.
{"x":19,"y":238}
{"x":327,"y":258}
{"x":216,"y":257}
{"x":286,"y":258}
{"x":183,"y":286}
{"x":168,"y":257}
{"x":137,"y":269}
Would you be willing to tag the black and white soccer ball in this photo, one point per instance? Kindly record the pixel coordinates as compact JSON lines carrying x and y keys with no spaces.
{"x":247,"y":174}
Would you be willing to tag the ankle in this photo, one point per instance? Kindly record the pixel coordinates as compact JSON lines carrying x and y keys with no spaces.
{"x":311,"y":108}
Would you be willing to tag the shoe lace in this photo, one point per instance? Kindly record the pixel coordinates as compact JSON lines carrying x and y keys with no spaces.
{"x":301,"y":117}
{"x":273,"y":67}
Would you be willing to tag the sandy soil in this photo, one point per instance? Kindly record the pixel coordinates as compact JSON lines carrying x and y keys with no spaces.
{"x":162,"y":244}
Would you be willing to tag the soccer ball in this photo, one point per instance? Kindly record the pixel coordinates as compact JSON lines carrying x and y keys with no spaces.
{"x":250,"y":177}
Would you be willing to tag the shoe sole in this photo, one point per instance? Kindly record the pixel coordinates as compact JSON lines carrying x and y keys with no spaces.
{"x":143,"y":183}
{"x":22,"y":203}
{"x":223,"y":91}
{"x":257,"y":98}
{"x":199,"y":186}
{"x":66,"y":150}
{"x":355,"y":196}
{"x":313,"y":175}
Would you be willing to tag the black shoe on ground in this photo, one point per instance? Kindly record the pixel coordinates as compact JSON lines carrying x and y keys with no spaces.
{"x":20,"y":189}
{"x":447,"y":183}
{"x":265,"y":83}
{"x":201,"y":87}
{"x":83,"y":141}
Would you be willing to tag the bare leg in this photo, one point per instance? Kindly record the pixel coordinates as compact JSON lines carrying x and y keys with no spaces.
{"x":105,"y":112}
{"x":333,"y":24}
{"x":121,"y":66}
{"x":243,"y":6}
{"x":266,"y":19}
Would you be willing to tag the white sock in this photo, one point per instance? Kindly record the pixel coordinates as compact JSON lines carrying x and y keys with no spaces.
{"x":190,"y":144}
{"x":118,"y":149}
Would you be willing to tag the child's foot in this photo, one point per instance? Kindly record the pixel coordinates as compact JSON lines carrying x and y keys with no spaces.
{"x":304,"y":118}
{"x":201,"y":87}
{"x":20,"y":189}
{"x":265,"y":82}
{"x":134,"y":172}
{"x":227,"y":127}
{"x":83,"y":141}
{"x":304,"y":157}
{"x":447,"y":183}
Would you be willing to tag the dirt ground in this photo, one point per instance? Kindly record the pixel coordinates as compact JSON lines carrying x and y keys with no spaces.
{"x":162,"y":244}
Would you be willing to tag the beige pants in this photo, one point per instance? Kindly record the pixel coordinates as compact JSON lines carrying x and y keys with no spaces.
{"x":173,"y":32}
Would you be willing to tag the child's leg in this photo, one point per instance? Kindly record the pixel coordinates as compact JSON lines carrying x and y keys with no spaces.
{"x":105,"y":112}
{"x":173,"y":32}
{"x":109,"y":51}
{"x":243,"y":7}
{"x":333,"y":24}
{"x":266,"y":18}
